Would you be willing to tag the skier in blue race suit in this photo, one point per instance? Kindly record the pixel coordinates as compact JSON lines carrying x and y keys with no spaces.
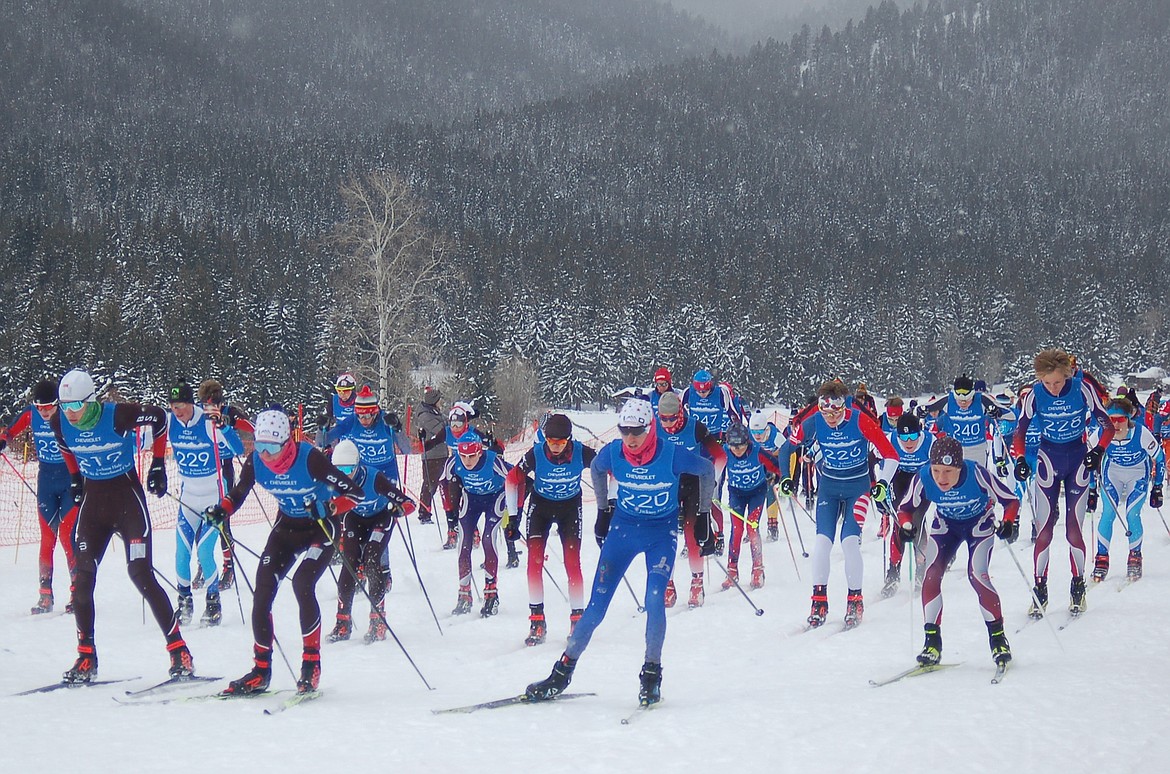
{"x":642,"y":520}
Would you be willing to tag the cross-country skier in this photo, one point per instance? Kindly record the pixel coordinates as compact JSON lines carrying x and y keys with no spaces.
{"x":99,"y":442}
{"x":55,"y":506}
{"x":553,"y":469}
{"x":311,"y":495}
{"x":211,"y":400}
{"x":366,"y":532}
{"x":1132,"y":466}
{"x":913,"y":444}
{"x":966,"y":415}
{"x":843,"y":436}
{"x":964,"y":494}
{"x":663,"y":383}
{"x":473,"y":486}
{"x":195,"y":441}
{"x":1060,"y":402}
{"x":643,"y":519}
{"x":770,"y":439}
{"x":748,"y":466}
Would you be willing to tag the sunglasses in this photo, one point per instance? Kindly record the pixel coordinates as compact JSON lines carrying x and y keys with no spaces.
{"x":669,"y":419}
{"x":632,"y":431}
{"x":347,"y":469}
{"x":272,"y":447}
{"x":909,"y":436}
{"x":703,"y":386}
{"x":1118,"y":418}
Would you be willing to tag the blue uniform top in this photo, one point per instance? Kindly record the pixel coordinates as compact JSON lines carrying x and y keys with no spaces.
{"x":45,"y":440}
{"x":650,"y":492}
{"x":486,"y":478}
{"x":969,"y":426}
{"x":195,"y":451}
{"x":340,"y":410}
{"x":911,"y":461}
{"x":559,"y":481}
{"x":965,"y":501}
{"x":748,"y":472}
{"x":292,"y":487}
{"x":377,"y":444}
{"x":102,"y":452}
{"x":372,"y":502}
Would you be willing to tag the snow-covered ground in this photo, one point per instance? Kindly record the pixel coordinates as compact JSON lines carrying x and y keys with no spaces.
{"x":740,"y":690}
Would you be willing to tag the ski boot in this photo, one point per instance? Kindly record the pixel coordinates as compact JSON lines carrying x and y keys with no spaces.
{"x":342,"y":629}
{"x":1077,"y":602}
{"x":732,"y":578}
{"x":773,"y":530}
{"x":575,"y":616}
{"x":854,"y":609}
{"x":491,"y":599}
{"x":182,"y":665}
{"x":424,"y":516}
{"x":1040,"y":592}
{"x":757,"y":577}
{"x":931,"y":649}
{"x":463,"y":605}
{"x":256,"y":681}
{"x":196,"y":581}
{"x":213,"y":612}
{"x":556,"y":683}
{"x":1133,"y":566}
{"x":1001,"y":652}
{"x":227,"y":578}
{"x":45,"y":601}
{"x":452,"y":539}
{"x":85,"y":668}
{"x":719,"y":544}
{"x":537,"y":626}
{"x":1100,"y":567}
{"x":820,"y":606}
{"x":893,"y":578}
{"x":513,"y":556}
{"x":185,"y":607}
{"x":697,"y":593}
{"x":671,"y":595}
{"x":650,"y":692}
{"x":310,"y":671}
{"x":377,"y":630}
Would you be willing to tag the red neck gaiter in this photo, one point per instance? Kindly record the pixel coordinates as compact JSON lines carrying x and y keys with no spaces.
{"x":645,"y":452}
{"x":283,"y":461}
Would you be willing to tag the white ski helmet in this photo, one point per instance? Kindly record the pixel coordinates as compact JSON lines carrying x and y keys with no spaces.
{"x":345,"y":455}
{"x":636,"y":413}
{"x":758,"y":421}
{"x":272,"y":426}
{"x":77,"y":385}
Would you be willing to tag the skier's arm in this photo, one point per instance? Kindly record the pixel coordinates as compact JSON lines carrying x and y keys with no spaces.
{"x":18,"y":426}
{"x":515,"y":483}
{"x":689,"y":462}
{"x":128,"y":416}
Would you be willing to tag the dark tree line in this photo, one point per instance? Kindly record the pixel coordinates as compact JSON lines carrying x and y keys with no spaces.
{"x":939,"y":188}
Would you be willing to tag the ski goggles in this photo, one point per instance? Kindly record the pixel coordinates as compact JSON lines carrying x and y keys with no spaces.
{"x":272,"y":447}
{"x":75,"y":405}
{"x":1116,"y":417}
{"x":365,"y":411}
{"x":703,"y":387}
{"x":910,"y":436}
{"x":348,"y":470}
{"x":963,"y":393}
{"x":633,"y":431}
{"x":829,"y":403}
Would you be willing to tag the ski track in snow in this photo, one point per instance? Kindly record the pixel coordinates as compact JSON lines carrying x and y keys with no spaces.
{"x":739,"y":689}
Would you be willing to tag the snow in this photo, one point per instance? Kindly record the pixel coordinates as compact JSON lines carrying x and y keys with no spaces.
{"x":740,"y":690}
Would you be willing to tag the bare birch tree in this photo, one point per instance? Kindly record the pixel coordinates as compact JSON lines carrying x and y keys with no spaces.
{"x":388,"y":268}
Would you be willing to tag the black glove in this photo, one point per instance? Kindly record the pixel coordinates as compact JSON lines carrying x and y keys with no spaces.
{"x":323,"y":421}
{"x":77,"y":487}
{"x":215,"y":515}
{"x":227,"y":419}
{"x":511,"y":532}
{"x":907,"y":530}
{"x":703,"y":534}
{"x":787,"y":487}
{"x":392,"y":420}
{"x":1023,"y":469}
{"x":422,"y":435}
{"x":1156,"y":496}
{"x":1091,"y":502}
{"x":3,"y":444}
{"x":1001,"y":467}
{"x":604,"y":516}
{"x":1008,"y":530}
{"x":156,"y":479}
{"x":994,"y":411}
{"x":1093,"y":458}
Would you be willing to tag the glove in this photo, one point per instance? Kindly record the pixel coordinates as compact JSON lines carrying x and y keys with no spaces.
{"x":1008,"y":530}
{"x":226,"y":419}
{"x":703,"y":535}
{"x":3,"y":444}
{"x":511,"y":533}
{"x":1001,"y":467}
{"x":787,"y":487}
{"x":1093,"y":458}
{"x":1156,"y":496}
{"x":215,"y":515}
{"x":156,"y":479}
{"x":77,"y":487}
{"x":422,"y":435}
{"x":339,"y":506}
{"x":392,"y":420}
{"x":994,"y":411}
{"x":601,"y":527}
{"x":879,"y":491}
{"x":1023,"y":469}
{"x":1091,"y":503}
{"x":407,"y":507}
{"x":906,"y":528}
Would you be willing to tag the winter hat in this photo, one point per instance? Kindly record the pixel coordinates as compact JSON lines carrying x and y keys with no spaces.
{"x":345,"y":382}
{"x":558,"y":427}
{"x":946,"y":451}
{"x":181,"y":393}
{"x":210,"y":391}
{"x":44,"y":393}
{"x":737,"y":435}
{"x":345,"y":455}
{"x":366,"y":401}
{"x":964,"y":382}
{"x":909,"y":423}
{"x":703,"y":380}
{"x":470,"y":443}
{"x":636,"y":413}
{"x":77,"y":385}
{"x":662,"y":375}
{"x":669,"y":405}
{"x":758,"y":421}
{"x":431,"y":396}
{"x":272,"y":426}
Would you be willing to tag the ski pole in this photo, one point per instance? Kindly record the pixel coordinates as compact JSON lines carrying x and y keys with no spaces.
{"x":1163,"y":518}
{"x":311,"y":505}
{"x":796,"y":523}
{"x":735,"y":581}
{"x":23,"y":480}
{"x":235,"y":561}
{"x":410,"y":553}
{"x":641,"y":607}
{"x":1035,"y":599}
{"x":788,"y":540}
{"x":544,"y":566}
{"x":792,"y":499}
